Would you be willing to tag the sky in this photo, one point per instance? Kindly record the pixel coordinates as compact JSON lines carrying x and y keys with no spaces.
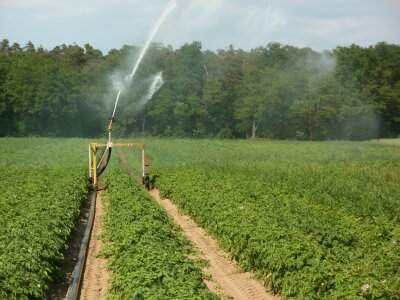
{"x":246,"y":24}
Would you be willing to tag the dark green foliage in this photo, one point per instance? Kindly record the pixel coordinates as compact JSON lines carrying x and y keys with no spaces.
{"x":146,"y":253}
{"x":41,"y":193}
{"x":313,"y":220}
{"x":304,"y":243}
{"x":275,"y":91}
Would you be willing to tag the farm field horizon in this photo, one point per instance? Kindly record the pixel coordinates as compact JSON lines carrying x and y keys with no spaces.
{"x":311,"y":219}
{"x":142,"y":157}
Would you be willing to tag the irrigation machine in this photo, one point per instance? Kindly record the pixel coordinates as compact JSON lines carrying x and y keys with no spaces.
{"x":97,"y":164}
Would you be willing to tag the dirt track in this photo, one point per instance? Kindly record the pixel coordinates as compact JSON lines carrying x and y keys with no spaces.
{"x":227,"y":279}
{"x":95,"y":276}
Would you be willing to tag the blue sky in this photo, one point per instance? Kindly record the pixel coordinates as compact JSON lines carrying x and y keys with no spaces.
{"x":107,"y":24}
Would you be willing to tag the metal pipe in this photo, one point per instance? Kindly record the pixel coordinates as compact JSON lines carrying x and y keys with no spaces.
{"x":75,"y":284}
{"x":109,"y":128}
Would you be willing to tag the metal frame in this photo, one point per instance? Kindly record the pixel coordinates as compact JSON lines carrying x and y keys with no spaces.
{"x":93,"y":147}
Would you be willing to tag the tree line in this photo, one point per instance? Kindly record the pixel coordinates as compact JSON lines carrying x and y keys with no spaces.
{"x":274,"y":91}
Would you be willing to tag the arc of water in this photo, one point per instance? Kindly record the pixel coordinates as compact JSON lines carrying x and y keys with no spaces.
{"x":154,"y":87}
{"x":116,"y":103}
{"x":166,"y":12}
{"x":143,"y":51}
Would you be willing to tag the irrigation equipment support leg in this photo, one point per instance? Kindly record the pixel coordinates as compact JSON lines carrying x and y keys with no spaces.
{"x":90,"y":161}
{"x":93,"y":148}
{"x":143,"y":173}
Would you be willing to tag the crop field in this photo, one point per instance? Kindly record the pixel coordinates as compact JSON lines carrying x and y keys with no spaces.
{"x":311,"y":219}
{"x":42,"y":185}
{"x":253,"y":169}
{"x":146,"y":253}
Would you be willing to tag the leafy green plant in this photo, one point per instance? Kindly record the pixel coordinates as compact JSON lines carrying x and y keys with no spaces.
{"x":313,"y":220}
{"x":146,"y":253}
{"x":41,"y":192}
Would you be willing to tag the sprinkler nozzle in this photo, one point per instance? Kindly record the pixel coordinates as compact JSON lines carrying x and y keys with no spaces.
{"x":110,"y":124}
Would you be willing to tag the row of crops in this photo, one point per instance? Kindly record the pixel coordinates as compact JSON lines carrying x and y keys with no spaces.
{"x":313,"y":220}
{"x":146,"y":252}
{"x":42,"y":186}
{"x":43,"y":183}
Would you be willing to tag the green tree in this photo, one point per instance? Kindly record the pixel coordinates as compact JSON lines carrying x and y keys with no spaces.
{"x":231,"y":61}
{"x":251,"y":104}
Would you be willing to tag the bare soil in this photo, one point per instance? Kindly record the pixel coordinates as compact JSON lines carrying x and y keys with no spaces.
{"x":227,"y":279}
{"x":95,"y":276}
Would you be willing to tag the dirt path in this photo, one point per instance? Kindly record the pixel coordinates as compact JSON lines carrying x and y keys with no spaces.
{"x":227,"y":279}
{"x":95,"y":276}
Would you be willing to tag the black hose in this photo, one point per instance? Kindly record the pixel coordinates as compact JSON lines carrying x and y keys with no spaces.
{"x":104,"y":162}
{"x":74,"y":286}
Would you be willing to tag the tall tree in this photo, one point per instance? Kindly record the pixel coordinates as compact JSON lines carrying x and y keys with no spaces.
{"x":251,"y":104}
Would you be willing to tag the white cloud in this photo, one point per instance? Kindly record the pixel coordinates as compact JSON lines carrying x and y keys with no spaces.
{"x":262,"y":20}
{"x":47,"y":9}
{"x":216,"y":23}
{"x":197,"y":14}
{"x":328,"y":26}
{"x":24,"y":3}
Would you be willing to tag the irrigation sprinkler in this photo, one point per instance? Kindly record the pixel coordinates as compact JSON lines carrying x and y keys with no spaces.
{"x":97,"y":166}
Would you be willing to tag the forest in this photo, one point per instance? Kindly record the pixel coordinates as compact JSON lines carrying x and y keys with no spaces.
{"x":275,"y":91}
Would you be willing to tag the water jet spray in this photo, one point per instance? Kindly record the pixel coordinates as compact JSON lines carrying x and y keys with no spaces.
{"x":143,"y":51}
{"x":97,"y":168}
{"x":154,"y":87}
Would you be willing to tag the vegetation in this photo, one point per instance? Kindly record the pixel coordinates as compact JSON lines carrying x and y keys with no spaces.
{"x":275,"y":91}
{"x":313,"y":220}
{"x":43,"y":182}
{"x":146,"y":253}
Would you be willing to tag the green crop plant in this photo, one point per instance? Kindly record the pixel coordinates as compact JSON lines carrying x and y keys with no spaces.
{"x":314,"y":220}
{"x":146,"y":253}
{"x":42,"y":185}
